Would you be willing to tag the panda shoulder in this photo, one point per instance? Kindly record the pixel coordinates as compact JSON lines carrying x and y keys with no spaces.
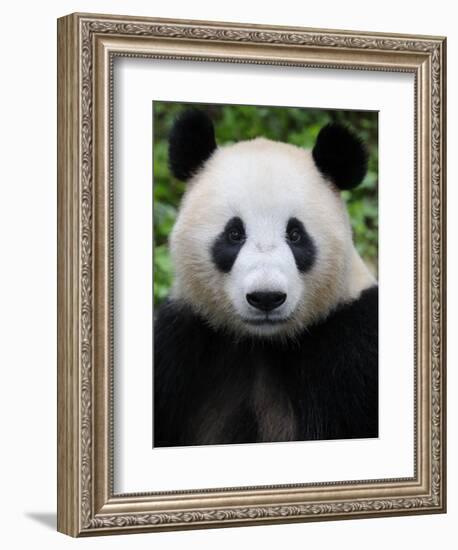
{"x":352,"y":328}
{"x":361,"y":313}
{"x":358,"y":320}
{"x":178,"y":330}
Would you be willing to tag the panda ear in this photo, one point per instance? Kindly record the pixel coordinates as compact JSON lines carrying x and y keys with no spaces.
{"x":191,"y":143}
{"x":340,"y":156}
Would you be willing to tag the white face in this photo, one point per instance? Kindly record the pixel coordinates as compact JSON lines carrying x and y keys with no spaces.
{"x":262,"y":244}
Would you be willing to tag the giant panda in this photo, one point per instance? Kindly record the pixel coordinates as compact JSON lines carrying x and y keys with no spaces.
{"x":270,"y":332}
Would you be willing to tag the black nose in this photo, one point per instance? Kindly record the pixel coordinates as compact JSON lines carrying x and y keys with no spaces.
{"x":266,"y":301}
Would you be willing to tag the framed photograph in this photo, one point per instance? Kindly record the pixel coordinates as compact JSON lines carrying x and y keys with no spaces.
{"x":251,"y":289}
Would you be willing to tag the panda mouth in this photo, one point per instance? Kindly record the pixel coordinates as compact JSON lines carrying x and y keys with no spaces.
{"x":265,"y":321}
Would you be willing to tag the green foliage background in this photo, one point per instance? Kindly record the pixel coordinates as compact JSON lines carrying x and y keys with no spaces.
{"x":233,"y":123}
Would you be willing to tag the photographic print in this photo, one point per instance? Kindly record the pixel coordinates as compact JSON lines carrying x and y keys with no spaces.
{"x":265,"y":274}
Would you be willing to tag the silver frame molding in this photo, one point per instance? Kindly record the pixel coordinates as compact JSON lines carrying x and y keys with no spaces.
{"x":87,"y":45}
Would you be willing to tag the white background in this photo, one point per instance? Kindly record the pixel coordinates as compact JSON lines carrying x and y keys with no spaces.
{"x":28,"y":274}
{"x":139,"y":468}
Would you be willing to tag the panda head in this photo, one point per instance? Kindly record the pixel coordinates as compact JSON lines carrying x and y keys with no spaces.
{"x":262,"y":244}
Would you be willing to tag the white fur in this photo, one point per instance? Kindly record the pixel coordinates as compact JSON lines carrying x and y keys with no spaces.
{"x":265,"y":183}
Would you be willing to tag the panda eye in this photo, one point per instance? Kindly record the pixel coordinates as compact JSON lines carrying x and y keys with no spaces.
{"x":236,"y":235}
{"x":294,"y":235}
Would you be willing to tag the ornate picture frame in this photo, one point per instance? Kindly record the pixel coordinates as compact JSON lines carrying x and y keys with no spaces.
{"x":87,"y":46}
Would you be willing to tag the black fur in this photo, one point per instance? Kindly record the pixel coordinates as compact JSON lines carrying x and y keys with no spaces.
{"x":340,"y":156}
{"x":225,"y":249}
{"x":304,"y":251}
{"x":211,"y":389}
{"x":191,"y":143}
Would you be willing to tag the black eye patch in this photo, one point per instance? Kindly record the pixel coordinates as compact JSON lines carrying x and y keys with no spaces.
{"x":301,"y":245}
{"x":228,"y":244}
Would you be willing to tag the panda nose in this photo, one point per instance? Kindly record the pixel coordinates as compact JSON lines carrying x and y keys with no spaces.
{"x":266,"y":301}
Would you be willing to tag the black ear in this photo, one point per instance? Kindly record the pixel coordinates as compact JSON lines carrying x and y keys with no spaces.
{"x":340,"y":156}
{"x":191,"y":143}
